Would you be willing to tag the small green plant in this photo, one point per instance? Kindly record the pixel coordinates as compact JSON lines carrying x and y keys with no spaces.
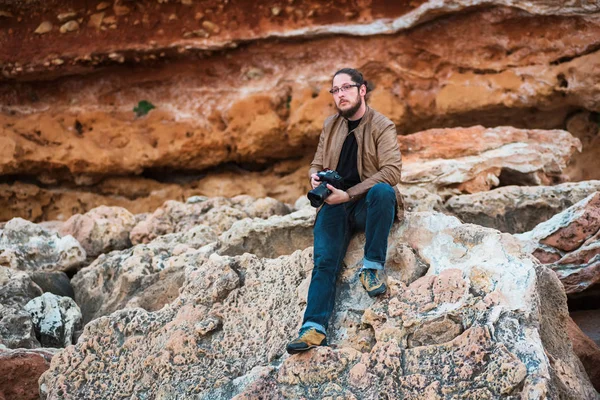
{"x":143,"y":108}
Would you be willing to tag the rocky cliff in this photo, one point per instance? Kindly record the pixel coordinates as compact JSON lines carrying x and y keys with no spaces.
{"x":155,"y":238}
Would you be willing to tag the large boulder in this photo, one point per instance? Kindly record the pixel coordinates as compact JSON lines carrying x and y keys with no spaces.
{"x":486,"y":321}
{"x":217,"y":212}
{"x":29,"y":247}
{"x":475,"y":159}
{"x":101,"y":229}
{"x":146,"y":275}
{"x":270,"y":238}
{"x":518,"y":209}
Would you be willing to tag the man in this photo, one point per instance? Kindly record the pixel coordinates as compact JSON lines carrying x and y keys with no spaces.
{"x":361,"y":145}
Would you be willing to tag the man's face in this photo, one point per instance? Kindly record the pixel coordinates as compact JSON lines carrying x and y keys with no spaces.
{"x":348,"y":102}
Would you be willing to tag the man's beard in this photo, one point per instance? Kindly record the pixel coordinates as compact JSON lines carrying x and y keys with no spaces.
{"x":352,"y":110}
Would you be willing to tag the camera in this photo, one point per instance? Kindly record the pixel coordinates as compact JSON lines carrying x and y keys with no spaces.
{"x":318,"y":195}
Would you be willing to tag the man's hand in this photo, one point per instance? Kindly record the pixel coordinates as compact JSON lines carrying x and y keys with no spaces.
{"x":314,"y":180}
{"x":337,"y":196}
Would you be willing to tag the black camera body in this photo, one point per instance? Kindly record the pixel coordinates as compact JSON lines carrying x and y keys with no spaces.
{"x":318,"y":195}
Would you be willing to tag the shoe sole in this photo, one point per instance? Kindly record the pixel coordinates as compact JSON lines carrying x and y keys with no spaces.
{"x":296,"y":351}
{"x":376,"y":292}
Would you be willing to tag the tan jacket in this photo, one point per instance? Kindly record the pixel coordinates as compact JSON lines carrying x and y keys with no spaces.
{"x":379,"y":158}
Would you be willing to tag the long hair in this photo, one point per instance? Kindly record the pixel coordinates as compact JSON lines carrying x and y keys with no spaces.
{"x":358,"y":78}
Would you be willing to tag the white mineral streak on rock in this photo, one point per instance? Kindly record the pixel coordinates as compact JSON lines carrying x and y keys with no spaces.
{"x":29,"y":247}
{"x":55,"y":319}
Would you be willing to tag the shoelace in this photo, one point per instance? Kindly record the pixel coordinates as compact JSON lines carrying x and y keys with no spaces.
{"x":371,"y":277}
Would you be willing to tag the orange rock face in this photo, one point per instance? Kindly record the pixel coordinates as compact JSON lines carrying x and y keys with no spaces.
{"x":234,"y":92}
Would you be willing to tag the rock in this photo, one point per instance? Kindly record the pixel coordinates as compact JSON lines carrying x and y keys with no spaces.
{"x":20,"y":370}
{"x":417,"y":199}
{"x":569,"y":243}
{"x":485,"y":321}
{"x":587,"y":351}
{"x":218,"y":212}
{"x":147,"y":275}
{"x":29,"y":247}
{"x":271,"y":237}
{"x":66,"y":16}
{"x":70,"y":26}
{"x":103,"y":5}
{"x":44,"y":27}
{"x":101,"y":229}
{"x":517,"y":209}
{"x":96,"y":20}
{"x":476,"y":159}
{"x":55,"y":282}
{"x":55,"y":319}
{"x":16,"y":327}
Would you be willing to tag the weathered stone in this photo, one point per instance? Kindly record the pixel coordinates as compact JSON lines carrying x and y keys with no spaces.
{"x":587,"y":351}
{"x":517,"y":209}
{"x":63,"y":17}
{"x":55,"y":319}
{"x":20,"y":370}
{"x":44,"y":27}
{"x":101,"y":229}
{"x":96,"y":20}
{"x":29,"y":247}
{"x":270,"y":238}
{"x":70,"y":26}
{"x":217,"y":212}
{"x":16,"y":327}
{"x":485,"y":321}
{"x":476,"y":159}
{"x":55,"y":282}
{"x":147,"y":275}
{"x":569,"y":243}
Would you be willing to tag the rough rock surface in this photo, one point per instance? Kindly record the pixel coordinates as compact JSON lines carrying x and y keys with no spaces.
{"x":270,"y":238}
{"x":435,"y":63}
{"x":217,"y":212}
{"x":476,"y":159}
{"x":55,"y":319}
{"x":29,"y":247}
{"x":485,"y":312}
{"x":146,"y":275}
{"x":20,"y":370}
{"x":518,"y":209}
{"x":569,"y":243}
{"x":587,"y":351}
{"x":101,"y":229}
{"x":16,"y":327}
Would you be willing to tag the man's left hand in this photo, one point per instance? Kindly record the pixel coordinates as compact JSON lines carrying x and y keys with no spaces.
{"x":337,"y":196}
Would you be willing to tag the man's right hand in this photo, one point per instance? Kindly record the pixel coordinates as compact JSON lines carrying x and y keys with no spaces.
{"x":314,"y":180}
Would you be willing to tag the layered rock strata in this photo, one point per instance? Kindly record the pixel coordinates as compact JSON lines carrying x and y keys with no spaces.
{"x":224,"y":335}
{"x":569,"y":243}
{"x":532,"y":65}
{"x":518,"y":209}
{"x":442,"y":161}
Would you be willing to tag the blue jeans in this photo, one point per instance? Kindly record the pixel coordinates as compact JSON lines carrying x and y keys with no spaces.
{"x":335,"y":224}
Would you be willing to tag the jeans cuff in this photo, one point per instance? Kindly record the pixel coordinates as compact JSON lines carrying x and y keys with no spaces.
{"x":368,"y":264}
{"x":309,"y":324}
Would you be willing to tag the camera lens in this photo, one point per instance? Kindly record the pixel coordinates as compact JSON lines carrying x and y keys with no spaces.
{"x":318,"y":195}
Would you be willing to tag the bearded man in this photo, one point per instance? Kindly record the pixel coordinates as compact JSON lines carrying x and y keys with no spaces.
{"x":361,"y":145}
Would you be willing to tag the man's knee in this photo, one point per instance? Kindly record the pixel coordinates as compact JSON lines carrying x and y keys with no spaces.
{"x":381,"y":191}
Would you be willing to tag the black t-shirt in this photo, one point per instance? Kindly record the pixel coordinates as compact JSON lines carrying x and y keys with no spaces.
{"x":347,"y":165}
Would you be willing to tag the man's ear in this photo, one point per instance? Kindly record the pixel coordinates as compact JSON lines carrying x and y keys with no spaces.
{"x":363,"y":90}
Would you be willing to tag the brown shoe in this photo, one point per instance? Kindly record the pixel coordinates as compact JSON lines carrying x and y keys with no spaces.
{"x":307,"y":339}
{"x":373,"y":282}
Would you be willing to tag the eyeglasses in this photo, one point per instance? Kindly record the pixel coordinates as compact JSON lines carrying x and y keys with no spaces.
{"x":343,"y":89}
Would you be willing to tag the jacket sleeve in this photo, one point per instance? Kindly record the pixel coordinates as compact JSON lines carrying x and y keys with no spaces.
{"x":317,"y":163}
{"x":390,"y":163}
